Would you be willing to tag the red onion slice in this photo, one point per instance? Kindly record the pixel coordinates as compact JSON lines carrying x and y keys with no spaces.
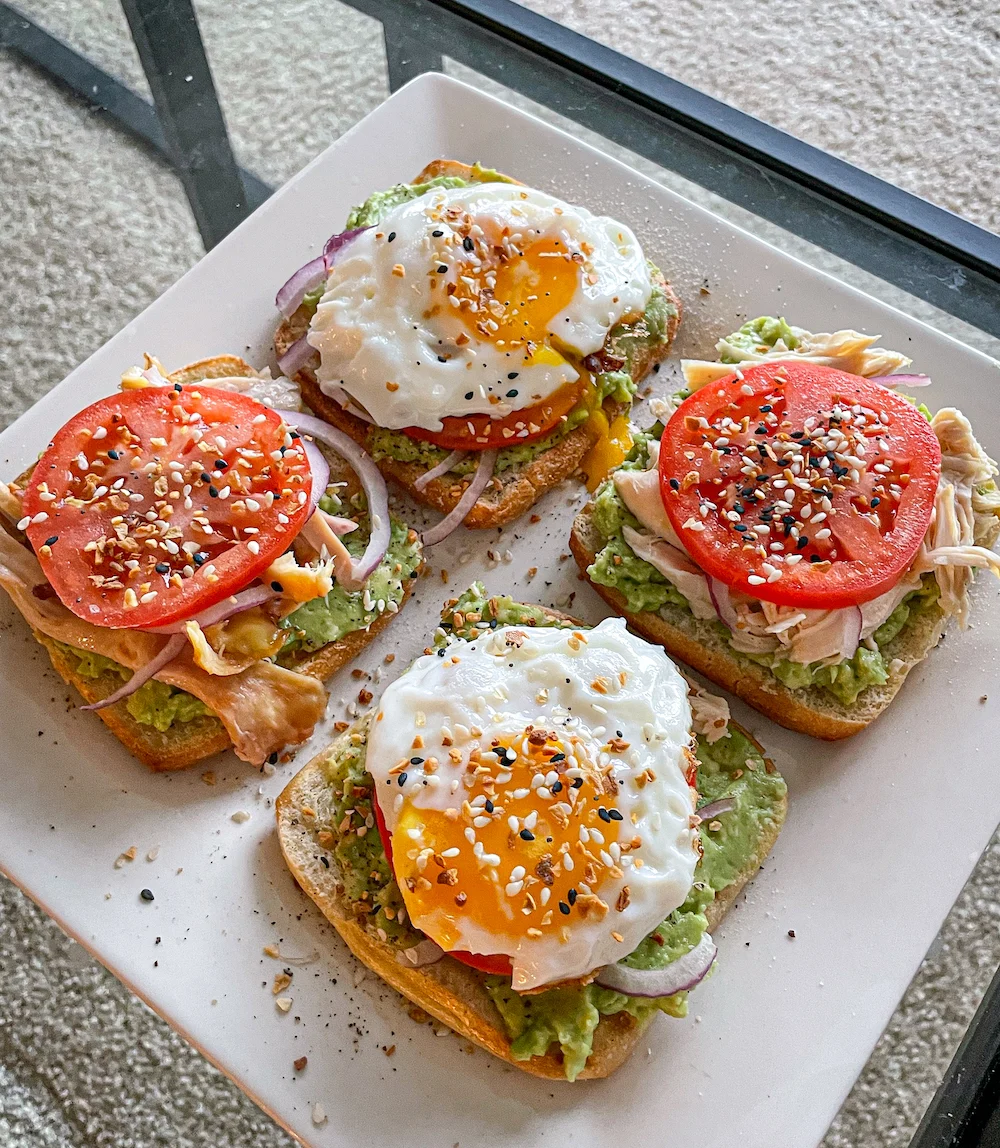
{"x":427,"y":952}
{"x":716,"y":808}
{"x":442,"y":467}
{"x":320,"y":473}
{"x":306,"y":279}
{"x":234,"y":604}
{"x":455,"y":517}
{"x":854,"y":627}
{"x":723,"y":603}
{"x":335,"y":245}
{"x":311,"y":275}
{"x":171,"y":649}
{"x":372,"y":483}
{"x":296,"y":357}
{"x":902,"y":380}
{"x":677,"y":977}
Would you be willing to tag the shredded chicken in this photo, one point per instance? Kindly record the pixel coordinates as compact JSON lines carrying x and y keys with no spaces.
{"x":844,"y":350}
{"x":320,"y":534}
{"x":709,"y":713}
{"x":676,"y":567}
{"x":207,"y":658}
{"x":263,"y":708}
{"x":300,"y":583}
{"x":10,"y":502}
{"x":962,"y":519}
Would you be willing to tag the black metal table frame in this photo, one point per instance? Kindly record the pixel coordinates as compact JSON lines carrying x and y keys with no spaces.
{"x":924,"y":249}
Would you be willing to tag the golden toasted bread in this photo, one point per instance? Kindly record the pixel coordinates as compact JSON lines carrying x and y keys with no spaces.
{"x":448,"y":990}
{"x":512,"y":491}
{"x":186,"y":743}
{"x":813,"y":711}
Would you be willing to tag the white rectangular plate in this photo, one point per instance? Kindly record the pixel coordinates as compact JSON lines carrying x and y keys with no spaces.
{"x":881,"y":833}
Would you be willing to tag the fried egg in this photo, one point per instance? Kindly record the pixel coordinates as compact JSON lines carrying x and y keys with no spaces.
{"x":534,"y":785}
{"x":472,"y":300}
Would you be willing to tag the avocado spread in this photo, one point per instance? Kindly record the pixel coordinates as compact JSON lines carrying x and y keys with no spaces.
{"x":153,"y":703}
{"x":625,"y":342}
{"x":646,"y":589}
{"x":323,"y":620}
{"x":758,"y":335}
{"x":568,"y":1015}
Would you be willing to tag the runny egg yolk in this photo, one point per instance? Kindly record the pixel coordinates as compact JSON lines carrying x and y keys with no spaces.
{"x":532,"y":838}
{"x":512,"y":296}
{"x":613,"y":442}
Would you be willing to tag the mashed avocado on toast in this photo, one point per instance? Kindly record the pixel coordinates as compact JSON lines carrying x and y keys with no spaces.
{"x":627,"y":343}
{"x":154,"y":703}
{"x":646,"y":589}
{"x":566,"y":1016}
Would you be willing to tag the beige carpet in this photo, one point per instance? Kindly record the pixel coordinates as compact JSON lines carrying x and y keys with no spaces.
{"x":92,"y":229}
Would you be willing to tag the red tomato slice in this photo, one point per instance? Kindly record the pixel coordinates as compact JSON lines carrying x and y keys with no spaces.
{"x":492,"y":963}
{"x":825,"y":477}
{"x":126,"y":544}
{"x":495,"y":963}
{"x":487,"y":433}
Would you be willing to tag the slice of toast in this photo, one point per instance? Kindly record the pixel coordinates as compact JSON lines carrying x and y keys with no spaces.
{"x":186,"y":743}
{"x":814,"y":711}
{"x":513,"y":491}
{"x":448,"y":990}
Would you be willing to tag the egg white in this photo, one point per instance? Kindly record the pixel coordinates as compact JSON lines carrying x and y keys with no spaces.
{"x":546,"y":679}
{"x":382,"y":343}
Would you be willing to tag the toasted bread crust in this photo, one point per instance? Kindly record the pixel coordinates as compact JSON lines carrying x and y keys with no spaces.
{"x":455,"y":167}
{"x":514,"y":491}
{"x":217,"y":367}
{"x":449,"y":991}
{"x":811,"y":711}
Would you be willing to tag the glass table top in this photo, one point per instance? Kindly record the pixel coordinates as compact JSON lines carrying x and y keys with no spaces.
{"x":98,"y":222}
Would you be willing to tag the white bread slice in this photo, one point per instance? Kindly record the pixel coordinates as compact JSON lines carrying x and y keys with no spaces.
{"x":812,"y":711}
{"x":513,"y":491}
{"x":449,"y":991}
